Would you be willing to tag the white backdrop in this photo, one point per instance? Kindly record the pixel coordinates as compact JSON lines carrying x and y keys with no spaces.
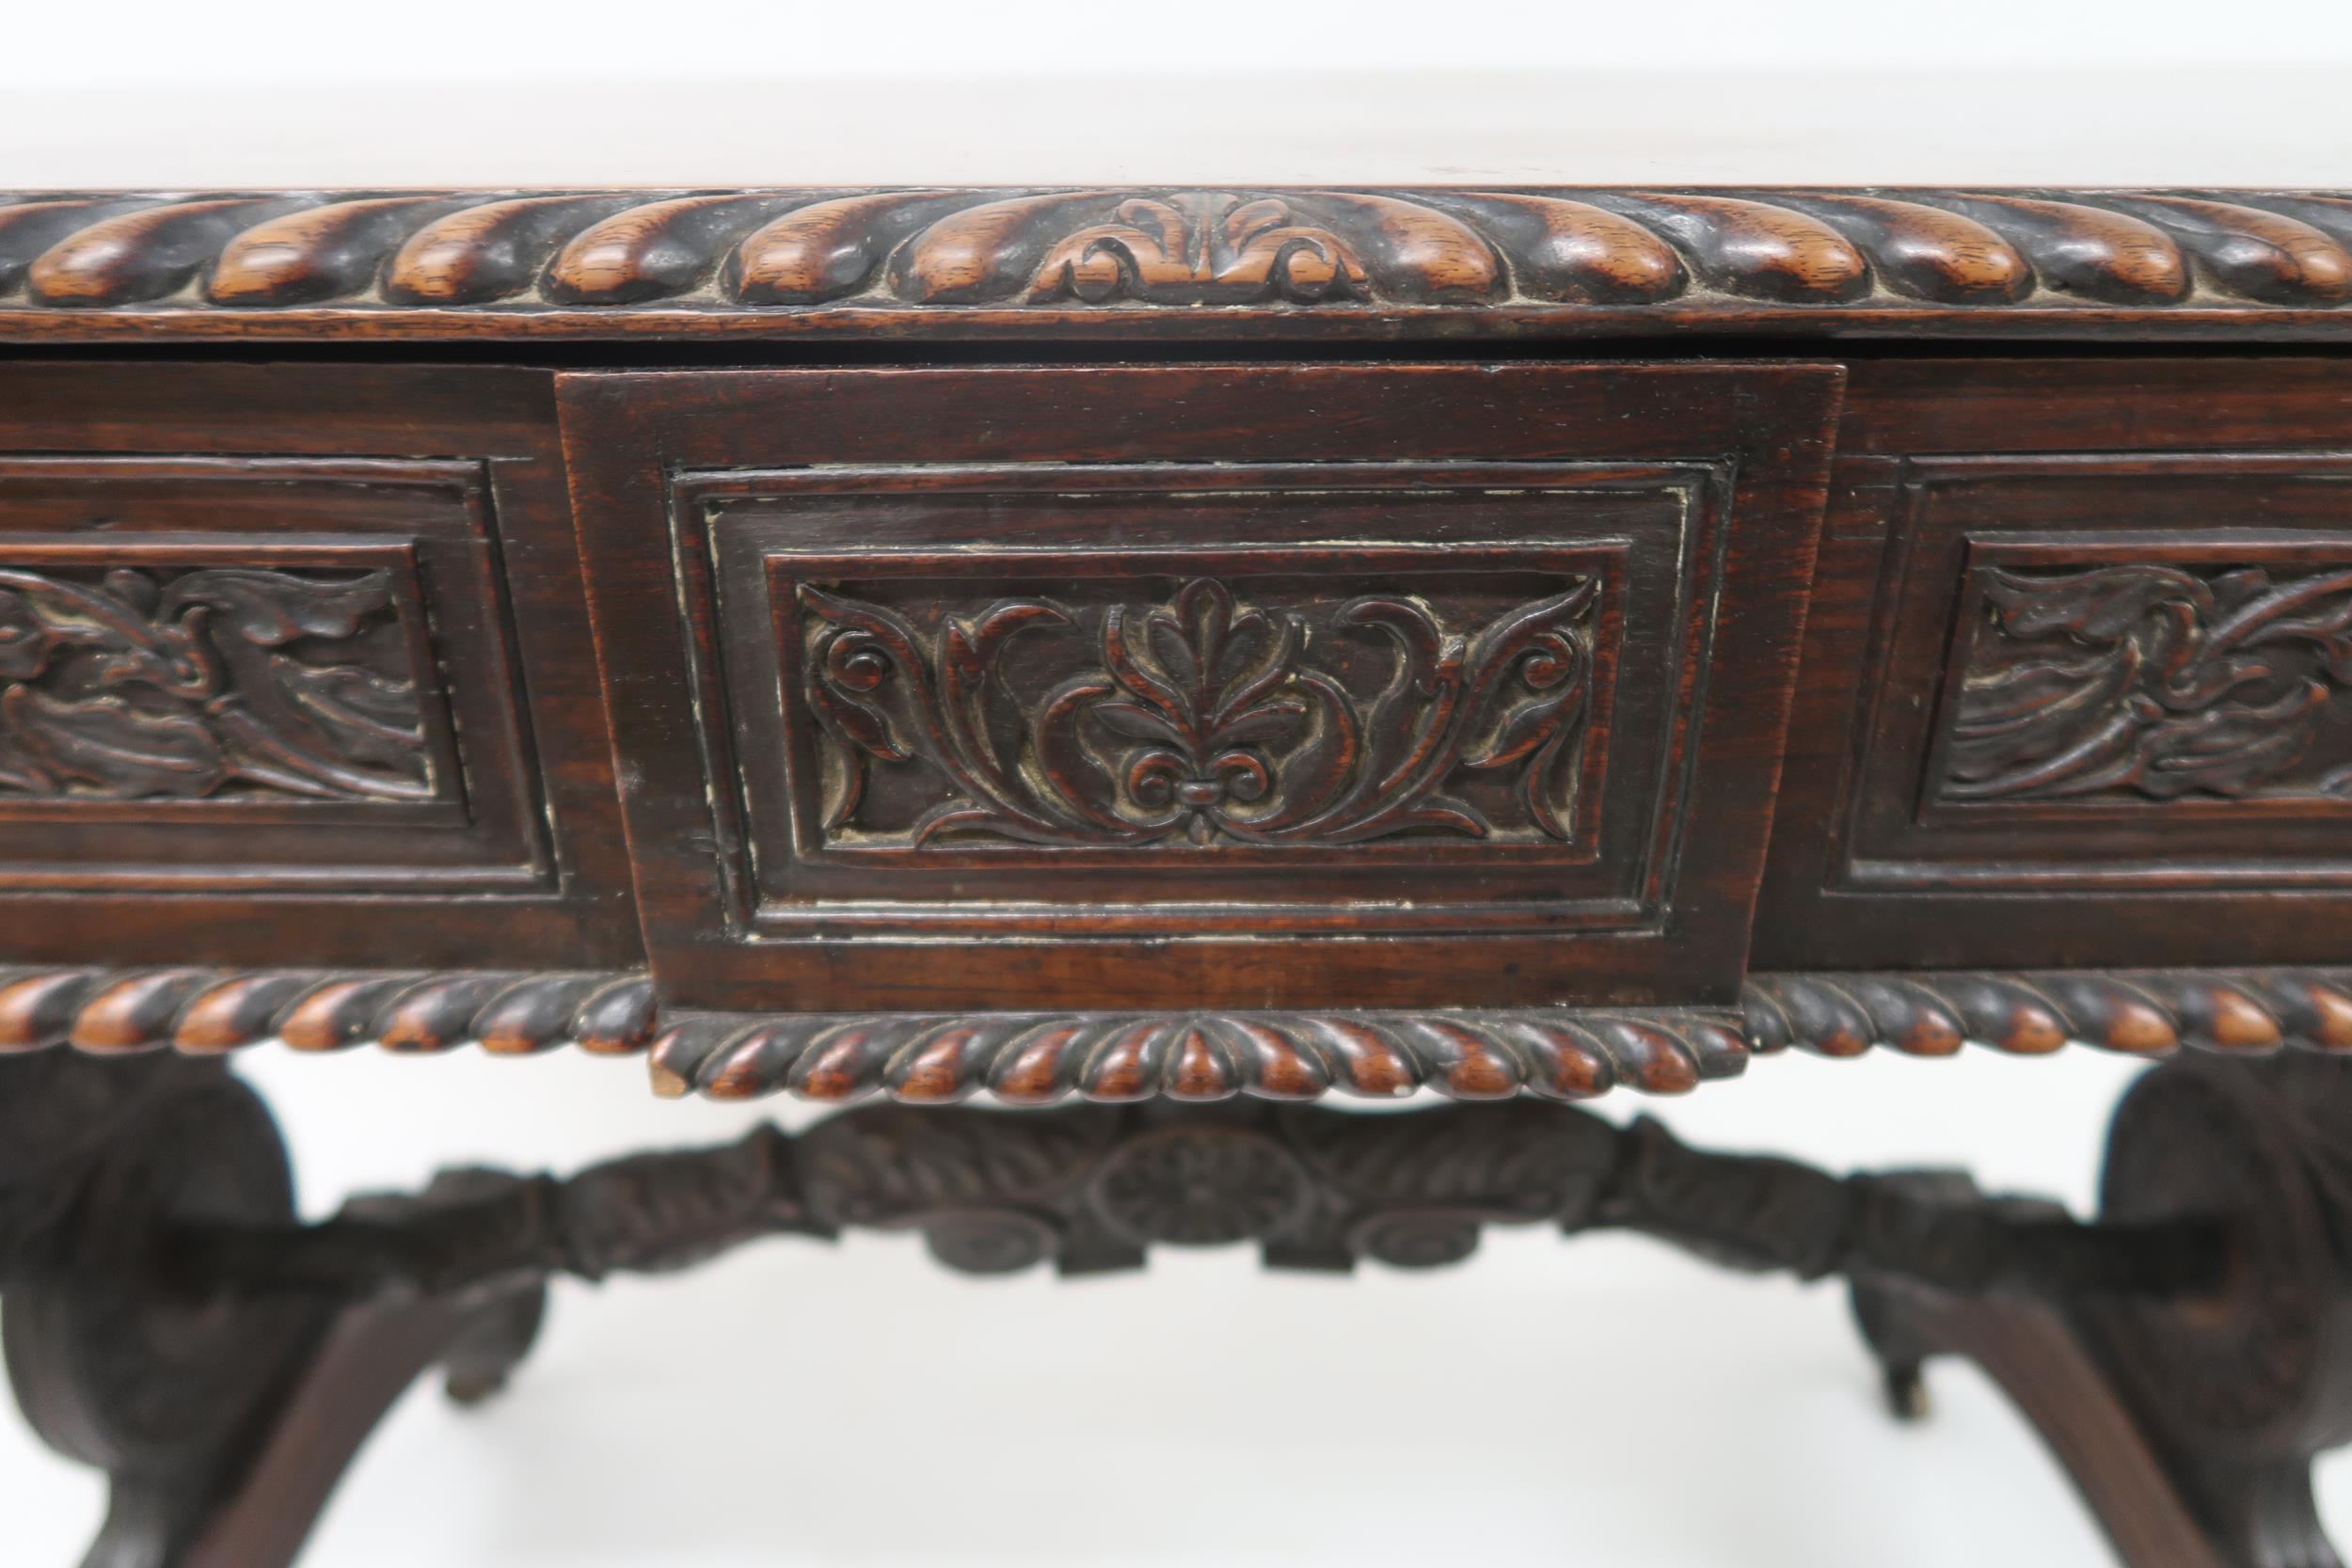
{"x":1602,"y":1402}
{"x":293,"y":93}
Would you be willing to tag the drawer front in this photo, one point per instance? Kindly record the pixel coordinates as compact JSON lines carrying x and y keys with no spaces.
{"x":244,"y":654}
{"x":265,"y":687}
{"x":2101,"y":708}
{"x":1154,"y":687}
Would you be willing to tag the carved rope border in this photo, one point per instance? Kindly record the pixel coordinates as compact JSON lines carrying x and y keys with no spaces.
{"x":1120,"y":261}
{"x":1039,"y":1058}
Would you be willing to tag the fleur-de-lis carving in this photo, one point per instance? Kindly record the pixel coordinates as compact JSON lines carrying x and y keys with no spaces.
{"x":1202,"y":247}
{"x":1213,"y":692}
{"x":1206,"y":721}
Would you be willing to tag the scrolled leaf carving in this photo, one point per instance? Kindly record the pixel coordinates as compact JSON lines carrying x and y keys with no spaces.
{"x":1202,"y":247}
{"x":2151,"y":680}
{"x":1142,"y":259}
{"x":1205,"y":719}
{"x":220,"y":682}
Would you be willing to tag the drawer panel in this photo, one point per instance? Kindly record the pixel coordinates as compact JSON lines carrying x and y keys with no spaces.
{"x":1466,"y":689}
{"x":228,"y":671}
{"x":970,"y":699}
{"x":275,"y":705}
{"x":2115,"y":672}
{"x":2100,"y":711}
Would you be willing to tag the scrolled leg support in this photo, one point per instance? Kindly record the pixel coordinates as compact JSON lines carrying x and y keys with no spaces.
{"x":222,"y":1414}
{"x":169,"y":1320}
{"x":2189,"y":1416}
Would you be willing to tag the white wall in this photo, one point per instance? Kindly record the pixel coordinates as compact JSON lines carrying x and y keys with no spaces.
{"x":139,"y":93}
{"x":1604,"y":1402}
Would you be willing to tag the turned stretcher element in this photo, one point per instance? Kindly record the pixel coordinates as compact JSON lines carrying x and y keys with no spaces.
{"x":175,"y":1325}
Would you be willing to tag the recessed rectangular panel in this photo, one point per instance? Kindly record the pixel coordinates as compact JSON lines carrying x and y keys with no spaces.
{"x":1168,"y":686}
{"x":2091,"y":681}
{"x":1437,"y":670}
{"x":2115,"y":672}
{"x":234,"y":680}
{"x":230,"y":672}
{"x":294,"y":670}
{"x":2073,"y":690}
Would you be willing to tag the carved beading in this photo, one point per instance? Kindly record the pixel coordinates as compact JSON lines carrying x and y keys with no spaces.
{"x":2139,"y":1012}
{"x":206,"y":1011}
{"x":1564,"y":1053}
{"x":677,"y":262}
{"x":1560,"y":1052}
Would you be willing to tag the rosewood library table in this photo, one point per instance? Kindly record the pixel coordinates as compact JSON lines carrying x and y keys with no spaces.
{"x":1165,"y":663}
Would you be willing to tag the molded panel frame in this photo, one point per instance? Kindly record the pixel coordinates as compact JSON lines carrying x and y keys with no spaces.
{"x":644,"y":445}
{"x":518,"y":864}
{"x":2077,"y":884}
{"x":424,"y":523}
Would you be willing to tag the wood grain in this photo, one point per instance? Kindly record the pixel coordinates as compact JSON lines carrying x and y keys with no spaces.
{"x":1112,"y":262}
{"x":299,"y":668}
{"x":2072,"y":693}
{"x":1037,"y":1058}
{"x":879,"y":796}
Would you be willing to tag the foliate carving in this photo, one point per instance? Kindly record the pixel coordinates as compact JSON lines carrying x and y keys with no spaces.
{"x":226,"y":682}
{"x":572,"y":261}
{"x":672,"y":1209}
{"x":2153,"y":681}
{"x":190,"y":1320}
{"x":1083,"y":1190}
{"x":1206,"y":719}
{"x":982,"y":1190}
{"x":1202,"y":247}
{"x":1095,"y":1188}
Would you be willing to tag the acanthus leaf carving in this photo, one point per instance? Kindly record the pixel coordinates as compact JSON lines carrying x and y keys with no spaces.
{"x":118,"y":265}
{"x":1202,"y":247}
{"x":1205,"y":719}
{"x":215,"y":682}
{"x":2152,"y":680}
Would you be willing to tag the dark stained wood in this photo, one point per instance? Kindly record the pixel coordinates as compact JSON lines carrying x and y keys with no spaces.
{"x":2185,"y":1353}
{"x":1038,"y":1058}
{"x":2188,"y":1419}
{"x":2028,"y":1351}
{"x":220,"y":1419}
{"x":262,"y":1514}
{"x":789,"y":862}
{"x":387,"y":548}
{"x":1179,"y":738}
{"x":2074,"y":684}
{"x":228,"y":674}
{"x":1133,"y":263}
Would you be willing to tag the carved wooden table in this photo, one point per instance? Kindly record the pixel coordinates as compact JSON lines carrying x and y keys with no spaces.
{"x":1185,"y":655}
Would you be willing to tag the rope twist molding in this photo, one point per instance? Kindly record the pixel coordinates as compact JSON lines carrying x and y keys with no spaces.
{"x":1039,"y":1058}
{"x":446,"y":263}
